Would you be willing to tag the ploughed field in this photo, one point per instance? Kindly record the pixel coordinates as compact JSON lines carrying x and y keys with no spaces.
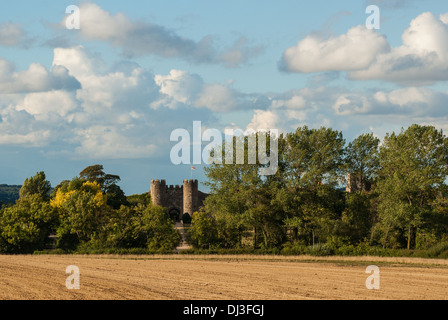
{"x":218,"y":277}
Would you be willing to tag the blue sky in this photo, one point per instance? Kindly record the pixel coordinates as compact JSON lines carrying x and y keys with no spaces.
{"x":112,"y":92}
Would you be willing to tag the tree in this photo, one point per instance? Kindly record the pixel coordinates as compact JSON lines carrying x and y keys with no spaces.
{"x":314,"y":157}
{"x":414,"y":165}
{"x":141,"y":226}
{"x":203,"y":232}
{"x":313,"y":170}
{"x":358,"y":214}
{"x":108,"y":183}
{"x":235,"y":188}
{"x":36,"y":185}
{"x":83,"y":212}
{"x":25,"y":227}
{"x":116,"y":197}
{"x":362,"y":160}
{"x":96,"y":173}
{"x":158,"y":229}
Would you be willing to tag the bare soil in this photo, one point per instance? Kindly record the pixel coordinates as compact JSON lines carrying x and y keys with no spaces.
{"x":219,"y":277}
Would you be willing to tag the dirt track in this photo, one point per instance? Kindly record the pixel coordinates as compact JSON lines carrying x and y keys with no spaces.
{"x":180,"y":277}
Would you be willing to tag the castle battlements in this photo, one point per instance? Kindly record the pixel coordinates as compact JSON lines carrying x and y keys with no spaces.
{"x":177,"y":199}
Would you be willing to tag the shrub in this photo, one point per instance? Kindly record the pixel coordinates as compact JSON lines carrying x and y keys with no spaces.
{"x":320,"y":249}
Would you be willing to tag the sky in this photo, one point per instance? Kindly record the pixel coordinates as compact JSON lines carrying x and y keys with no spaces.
{"x":112,"y":91}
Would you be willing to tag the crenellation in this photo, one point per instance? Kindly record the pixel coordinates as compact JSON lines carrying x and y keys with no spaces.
{"x":177,"y":199}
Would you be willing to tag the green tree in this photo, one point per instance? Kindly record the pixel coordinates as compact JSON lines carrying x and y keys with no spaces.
{"x":83,"y":212}
{"x":96,"y":173}
{"x":362,"y":159}
{"x":26,"y":226}
{"x":358,"y":215}
{"x":36,"y":185}
{"x":203,"y":233}
{"x":314,"y":157}
{"x":236,"y":190}
{"x":108,"y":182}
{"x":414,"y":165}
{"x":158,"y":229}
{"x":313,"y":168}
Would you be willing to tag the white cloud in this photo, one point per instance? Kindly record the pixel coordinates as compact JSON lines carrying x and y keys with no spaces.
{"x":79,"y":63}
{"x":421,"y":59}
{"x":124,"y":89}
{"x":21,"y":128}
{"x":181,"y":89}
{"x":264,"y":120}
{"x":143,"y":38}
{"x":35,"y":79}
{"x":35,"y":139}
{"x":178,"y":88}
{"x":354,"y":50}
{"x":366,"y":55}
{"x":218,"y":98}
{"x":295,"y":102}
{"x":410,"y":102}
{"x":347,"y":104}
{"x":42,"y":103}
{"x":106,"y":142}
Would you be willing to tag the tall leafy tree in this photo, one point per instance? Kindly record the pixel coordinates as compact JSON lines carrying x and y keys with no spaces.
{"x":25,"y":227}
{"x":361,"y":166}
{"x":238,"y":194}
{"x":362,"y":159}
{"x":414,"y":165}
{"x":108,"y":182}
{"x":314,"y":169}
{"x":314,"y":156}
{"x":82,"y":210}
{"x":38,"y":184}
{"x":96,"y":173}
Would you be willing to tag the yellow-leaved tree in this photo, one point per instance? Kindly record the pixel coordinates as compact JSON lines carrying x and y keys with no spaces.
{"x":83,"y":212}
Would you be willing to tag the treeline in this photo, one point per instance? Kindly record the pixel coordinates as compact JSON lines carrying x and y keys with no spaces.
{"x":86,"y":214}
{"x":397,"y":199}
{"x":8,"y":193}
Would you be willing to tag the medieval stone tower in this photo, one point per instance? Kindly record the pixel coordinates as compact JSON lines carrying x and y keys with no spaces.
{"x":178,"y":200}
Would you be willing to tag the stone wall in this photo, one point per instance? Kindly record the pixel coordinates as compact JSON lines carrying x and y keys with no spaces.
{"x":185,"y":199}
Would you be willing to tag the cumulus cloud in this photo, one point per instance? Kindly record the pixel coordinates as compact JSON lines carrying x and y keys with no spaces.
{"x":218,"y":98}
{"x":412,"y":101}
{"x":107,"y":92}
{"x":366,"y":55}
{"x":107,"y":142}
{"x":43,"y":103}
{"x":351,"y":51}
{"x":352,"y":110}
{"x":180,"y":89}
{"x":263,"y":120}
{"x":20,"y":128}
{"x":37,"y":78}
{"x":143,"y":38}
{"x":111,"y":114}
{"x":421,"y":59}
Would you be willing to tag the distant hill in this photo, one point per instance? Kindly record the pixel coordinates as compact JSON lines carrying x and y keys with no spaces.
{"x":9,"y":193}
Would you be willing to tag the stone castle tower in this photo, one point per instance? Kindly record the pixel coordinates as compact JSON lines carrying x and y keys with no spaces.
{"x":178,"y":200}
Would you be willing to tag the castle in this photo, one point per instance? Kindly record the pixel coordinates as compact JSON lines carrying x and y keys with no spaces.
{"x":178,"y":200}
